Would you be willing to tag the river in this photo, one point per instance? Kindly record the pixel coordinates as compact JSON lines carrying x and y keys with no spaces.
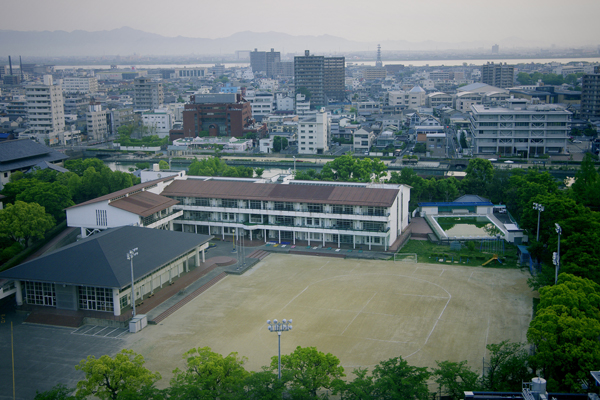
{"x":416,"y":63}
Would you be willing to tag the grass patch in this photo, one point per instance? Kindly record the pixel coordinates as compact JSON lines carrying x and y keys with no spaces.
{"x":428,"y":252}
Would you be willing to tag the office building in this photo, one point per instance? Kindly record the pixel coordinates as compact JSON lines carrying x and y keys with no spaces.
{"x":147,"y":94}
{"x":265,"y":62}
{"x":590,"y":94}
{"x":520,"y":128}
{"x":158,"y":122}
{"x":45,"y":111}
{"x":499,"y":75}
{"x":216,"y":114}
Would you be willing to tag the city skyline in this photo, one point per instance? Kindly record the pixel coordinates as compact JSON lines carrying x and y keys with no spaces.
{"x":535,"y":21}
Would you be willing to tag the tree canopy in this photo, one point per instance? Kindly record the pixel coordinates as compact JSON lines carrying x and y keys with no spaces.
{"x":22,"y":221}
{"x":565,"y":333}
{"x":112,"y":378}
{"x":214,"y":166}
{"x":309,"y":371}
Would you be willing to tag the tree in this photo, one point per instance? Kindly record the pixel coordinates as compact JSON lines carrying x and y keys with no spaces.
{"x":277,"y":144}
{"x":22,"y":221}
{"x":309,"y":371}
{"x":263,"y":385}
{"x":259,"y":172}
{"x":54,"y":197}
{"x":463,"y":140}
{"x":360,"y":388}
{"x":524,"y":79}
{"x":162,"y":164}
{"x":565,"y":332}
{"x":111,"y":378}
{"x":507,"y":367}
{"x":58,"y":392}
{"x":396,"y":379}
{"x":586,"y":188}
{"x":479,"y":174}
{"x":454,"y":378}
{"x":209,"y":375}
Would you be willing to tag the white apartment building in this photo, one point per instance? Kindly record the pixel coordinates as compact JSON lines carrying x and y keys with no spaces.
{"x":313,"y":133}
{"x":284,"y":103}
{"x":414,"y":98}
{"x":159,"y":122}
{"x":97,"y":127}
{"x":362,"y":140}
{"x":268,"y":84}
{"x":266,"y":145}
{"x":520,"y":129}
{"x":319,"y":213}
{"x":262,"y":103}
{"x":302,"y":105}
{"x":85,"y":85}
{"x":45,"y":111}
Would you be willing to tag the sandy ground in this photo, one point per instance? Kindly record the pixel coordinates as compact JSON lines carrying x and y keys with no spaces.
{"x":361,"y":311}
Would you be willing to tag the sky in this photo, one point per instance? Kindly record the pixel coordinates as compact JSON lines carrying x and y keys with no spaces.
{"x":572,"y":23}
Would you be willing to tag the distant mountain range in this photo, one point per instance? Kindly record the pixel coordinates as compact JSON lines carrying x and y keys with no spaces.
{"x":128,"y":41}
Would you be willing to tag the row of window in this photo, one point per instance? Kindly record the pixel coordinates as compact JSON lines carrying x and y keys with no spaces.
{"x":277,"y":205}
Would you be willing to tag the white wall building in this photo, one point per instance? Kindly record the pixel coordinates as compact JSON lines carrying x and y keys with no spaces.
{"x":97,"y":128}
{"x":351,"y":214}
{"x":266,"y":145}
{"x":362,"y":140}
{"x":45,"y":111}
{"x":313,"y":133}
{"x":520,"y":129}
{"x":159,"y":122}
{"x":262,"y":103}
{"x":140,"y":205}
{"x":85,"y":85}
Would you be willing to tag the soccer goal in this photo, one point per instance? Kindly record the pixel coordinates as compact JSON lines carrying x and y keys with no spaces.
{"x":405,"y":257}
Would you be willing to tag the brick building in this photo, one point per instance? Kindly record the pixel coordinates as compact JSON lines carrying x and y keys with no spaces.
{"x":219,"y":114}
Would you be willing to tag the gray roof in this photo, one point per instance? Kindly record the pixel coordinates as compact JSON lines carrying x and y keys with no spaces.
{"x":25,"y":153}
{"x":471,"y":198}
{"x":45,"y":165}
{"x":101,"y":259}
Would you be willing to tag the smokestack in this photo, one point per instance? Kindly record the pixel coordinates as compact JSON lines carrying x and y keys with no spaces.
{"x":10,"y":64}
{"x":21,"y":66}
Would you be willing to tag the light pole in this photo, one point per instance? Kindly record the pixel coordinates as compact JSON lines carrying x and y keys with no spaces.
{"x":556,"y":256}
{"x":132,"y":253}
{"x":294,"y":165}
{"x":539,"y":209}
{"x":279,"y":327}
{"x":233,"y":251}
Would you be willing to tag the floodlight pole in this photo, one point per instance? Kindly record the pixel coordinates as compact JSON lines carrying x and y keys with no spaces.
{"x":132,"y":253}
{"x":539,"y":209}
{"x":279,"y":327}
{"x":557,"y":259}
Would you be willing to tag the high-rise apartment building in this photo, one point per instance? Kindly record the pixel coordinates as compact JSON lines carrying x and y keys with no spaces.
{"x":499,"y":75}
{"x":590,"y":94}
{"x":263,"y":61}
{"x":45,"y":111}
{"x":334,"y":78}
{"x":147,"y":95}
{"x":322,"y":77}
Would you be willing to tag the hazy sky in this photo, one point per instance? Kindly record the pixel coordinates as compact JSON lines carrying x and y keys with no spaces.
{"x":558,"y":22}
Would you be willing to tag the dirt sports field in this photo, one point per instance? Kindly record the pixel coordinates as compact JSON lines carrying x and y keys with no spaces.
{"x":361,"y":311}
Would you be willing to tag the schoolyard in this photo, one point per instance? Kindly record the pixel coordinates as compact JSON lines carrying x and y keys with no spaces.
{"x":361,"y":311}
